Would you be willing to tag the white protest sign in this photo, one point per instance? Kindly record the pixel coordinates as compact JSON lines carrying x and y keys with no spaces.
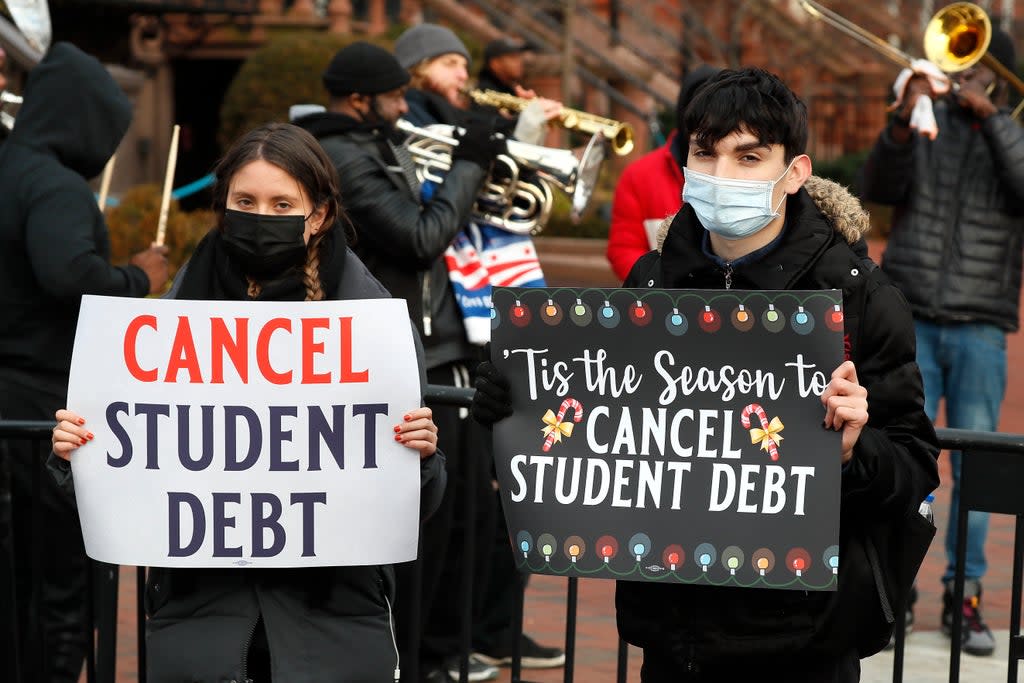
{"x":245,"y":433}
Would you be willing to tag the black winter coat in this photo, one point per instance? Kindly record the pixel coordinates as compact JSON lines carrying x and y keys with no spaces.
{"x":958,"y":228}
{"x":893,"y":466}
{"x":400,"y":239}
{"x":54,"y":245}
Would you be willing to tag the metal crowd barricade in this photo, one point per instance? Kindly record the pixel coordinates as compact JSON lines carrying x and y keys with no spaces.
{"x":101,"y":595}
{"x":993,"y":466}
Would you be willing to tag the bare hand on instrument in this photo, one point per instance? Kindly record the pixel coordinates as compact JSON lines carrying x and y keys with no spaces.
{"x":69,"y":433}
{"x":917,"y":86}
{"x":3,"y":65}
{"x":846,"y":406}
{"x":153,"y":262}
{"x":551,"y":108}
{"x":972,"y":94}
{"x":418,"y":432}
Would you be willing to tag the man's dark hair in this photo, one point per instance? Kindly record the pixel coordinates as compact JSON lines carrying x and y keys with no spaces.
{"x":749,"y":99}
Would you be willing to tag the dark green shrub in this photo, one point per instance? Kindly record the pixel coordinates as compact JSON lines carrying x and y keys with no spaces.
{"x":844,"y":169}
{"x":284,"y":72}
{"x":133,"y":222}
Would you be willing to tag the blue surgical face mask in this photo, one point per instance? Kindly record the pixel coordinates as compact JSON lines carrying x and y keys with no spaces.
{"x":730,"y":207}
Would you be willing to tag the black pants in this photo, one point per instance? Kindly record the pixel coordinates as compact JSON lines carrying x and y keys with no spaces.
{"x":500,"y":581}
{"x":49,"y":556}
{"x":792,"y":669}
{"x":429,"y":628}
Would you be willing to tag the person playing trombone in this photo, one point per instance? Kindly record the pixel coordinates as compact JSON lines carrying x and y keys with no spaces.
{"x":955,"y":252}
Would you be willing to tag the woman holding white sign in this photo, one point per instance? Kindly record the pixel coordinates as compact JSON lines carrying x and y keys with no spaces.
{"x":276,"y":240}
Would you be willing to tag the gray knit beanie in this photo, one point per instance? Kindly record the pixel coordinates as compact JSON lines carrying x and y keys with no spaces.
{"x":426,"y":41}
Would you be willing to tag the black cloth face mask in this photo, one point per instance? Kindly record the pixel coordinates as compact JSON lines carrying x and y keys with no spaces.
{"x":264,"y":246}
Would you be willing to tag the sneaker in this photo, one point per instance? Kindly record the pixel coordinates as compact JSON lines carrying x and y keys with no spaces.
{"x":533,"y":655}
{"x":976,"y":638}
{"x":478,"y":670}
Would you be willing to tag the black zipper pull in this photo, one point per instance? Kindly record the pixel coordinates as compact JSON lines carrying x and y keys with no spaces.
{"x":728,"y":276}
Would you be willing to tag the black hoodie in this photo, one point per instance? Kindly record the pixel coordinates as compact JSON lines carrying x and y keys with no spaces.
{"x":54,"y":245}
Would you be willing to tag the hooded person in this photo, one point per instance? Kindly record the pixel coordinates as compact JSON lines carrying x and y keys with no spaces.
{"x":56,"y":248}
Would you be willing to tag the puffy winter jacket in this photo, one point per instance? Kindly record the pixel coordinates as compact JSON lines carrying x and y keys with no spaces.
{"x":955,"y":247}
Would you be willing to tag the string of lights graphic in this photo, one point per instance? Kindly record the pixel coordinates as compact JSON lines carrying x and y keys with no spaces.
{"x":639,"y":311}
{"x":762,"y":561}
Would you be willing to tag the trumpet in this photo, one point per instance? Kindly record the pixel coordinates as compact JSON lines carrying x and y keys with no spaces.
{"x":618,"y":133}
{"x":511,"y":200}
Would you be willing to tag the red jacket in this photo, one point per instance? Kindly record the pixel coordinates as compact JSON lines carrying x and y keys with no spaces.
{"x":651,"y":188}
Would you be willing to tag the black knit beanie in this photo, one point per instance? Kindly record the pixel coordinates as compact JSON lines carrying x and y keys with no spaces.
{"x":365,"y":69}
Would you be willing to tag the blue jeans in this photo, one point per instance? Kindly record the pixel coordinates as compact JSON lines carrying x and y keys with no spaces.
{"x":966,"y":365}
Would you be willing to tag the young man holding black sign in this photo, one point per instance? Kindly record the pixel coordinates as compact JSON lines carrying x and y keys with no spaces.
{"x":755,"y":219}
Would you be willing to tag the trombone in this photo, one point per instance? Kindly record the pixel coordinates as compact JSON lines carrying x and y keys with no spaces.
{"x":956,"y":38}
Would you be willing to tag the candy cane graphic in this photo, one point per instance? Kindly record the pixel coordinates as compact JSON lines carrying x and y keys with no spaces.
{"x":577,"y":416}
{"x":767,"y":434}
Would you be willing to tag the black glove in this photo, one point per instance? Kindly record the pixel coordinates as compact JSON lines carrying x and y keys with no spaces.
{"x":491,"y":401}
{"x":479,"y":144}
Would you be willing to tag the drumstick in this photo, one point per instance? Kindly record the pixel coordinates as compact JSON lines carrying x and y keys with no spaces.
{"x":165,"y":200}
{"x":108,"y":171}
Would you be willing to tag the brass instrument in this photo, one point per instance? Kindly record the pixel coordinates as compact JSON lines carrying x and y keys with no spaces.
{"x":618,"y":133}
{"x":509,"y":200}
{"x":956,"y":38}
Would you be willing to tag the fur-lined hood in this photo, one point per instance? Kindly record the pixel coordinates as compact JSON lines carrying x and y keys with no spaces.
{"x":842,"y":209}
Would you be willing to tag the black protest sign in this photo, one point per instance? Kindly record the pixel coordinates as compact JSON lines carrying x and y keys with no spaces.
{"x":670,"y":435}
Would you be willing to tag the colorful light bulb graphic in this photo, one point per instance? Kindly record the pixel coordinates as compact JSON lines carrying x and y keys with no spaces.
{"x":710,"y":321}
{"x":676,"y":323}
{"x":608,"y":316}
{"x":834,"y":318}
{"x":551,"y":313}
{"x":495,"y":318}
{"x":574,"y":547}
{"x":640,"y":314}
{"x":519,"y":314}
{"x":640,"y":545}
{"x":763,"y":561}
{"x":802,"y":322}
{"x":831,"y":558}
{"x":606,"y":547}
{"x":732,"y":559}
{"x":772,"y":319}
{"x":673,"y":556}
{"x":524,"y":541}
{"x":546,"y":544}
{"x":742,"y":319}
{"x":580,"y":313}
{"x":705,"y":555}
{"x":798,"y":561}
